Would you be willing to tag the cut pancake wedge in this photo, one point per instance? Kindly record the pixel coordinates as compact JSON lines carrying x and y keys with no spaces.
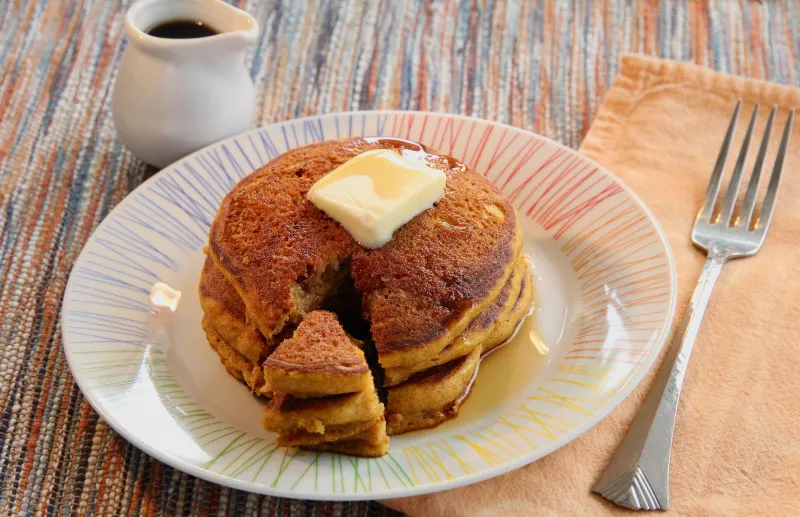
{"x":372,"y":442}
{"x":323,"y":392}
{"x":319,"y":359}
{"x":302,"y":438}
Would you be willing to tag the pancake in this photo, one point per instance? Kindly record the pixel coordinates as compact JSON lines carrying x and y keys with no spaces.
{"x":286,"y":412}
{"x":235,"y":363}
{"x":372,"y":442}
{"x":226,"y":312}
{"x":482,"y":329}
{"x":334,"y":433}
{"x":507,"y":326}
{"x":429,"y":398}
{"x":319,"y":359}
{"x":285,"y":257}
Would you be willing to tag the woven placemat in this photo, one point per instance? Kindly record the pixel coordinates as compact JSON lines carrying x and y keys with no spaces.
{"x":540,"y":65}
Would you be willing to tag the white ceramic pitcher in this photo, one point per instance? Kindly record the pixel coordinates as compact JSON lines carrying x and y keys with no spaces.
{"x":174,"y":96}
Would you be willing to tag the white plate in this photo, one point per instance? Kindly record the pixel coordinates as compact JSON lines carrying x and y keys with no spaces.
{"x":605,"y":285}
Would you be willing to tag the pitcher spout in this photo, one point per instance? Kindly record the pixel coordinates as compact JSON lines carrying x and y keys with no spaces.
{"x":231,"y":20}
{"x":241,"y":20}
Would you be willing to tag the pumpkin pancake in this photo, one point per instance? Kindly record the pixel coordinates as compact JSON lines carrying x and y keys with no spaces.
{"x":319,"y":359}
{"x":371,"y":442}
{"x":435,"y":395}
{"x":286,"y":412}
{"x":429,"y":398}
{"x":480,"y":330}
{"x":285,"y":257}
{"x":506,"y":327}
{"x":301,"y":438}
{"x":323,"y":392}
{"x":450,"y":285}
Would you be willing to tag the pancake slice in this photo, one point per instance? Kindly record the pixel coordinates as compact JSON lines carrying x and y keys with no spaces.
{"x":286,"y":412}
{"x":303,"y":438}
{"x":323,"y":392}
{"x":372,"y":442}
{"x":319,"y":359}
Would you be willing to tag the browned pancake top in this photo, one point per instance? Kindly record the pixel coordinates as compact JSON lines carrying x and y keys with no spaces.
{"x":319,"y":343}
{"x":269,"y":238}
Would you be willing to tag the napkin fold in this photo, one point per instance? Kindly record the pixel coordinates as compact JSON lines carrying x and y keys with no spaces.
{"x":737,"y":438}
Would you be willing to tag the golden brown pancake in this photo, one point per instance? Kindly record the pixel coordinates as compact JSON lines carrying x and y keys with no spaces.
{"x":429,"y":398}
{"x":226,"y":312}
{"x":480,"y":330}
{"x":319,"y":359}
{"x":302,"y":438}
{"x":372,"y":442}
{"x":286,"y":412}
{"x":235,"y":363}
{"x":435,"y":395}
{"x":285,"y":257}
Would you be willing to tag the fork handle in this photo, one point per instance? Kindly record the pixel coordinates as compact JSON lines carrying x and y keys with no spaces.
{"x":638,"y":475}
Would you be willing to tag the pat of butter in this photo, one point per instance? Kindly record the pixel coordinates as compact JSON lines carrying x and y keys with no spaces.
{"x":377,"y":192}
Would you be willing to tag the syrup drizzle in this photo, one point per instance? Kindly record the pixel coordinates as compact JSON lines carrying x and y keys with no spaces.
{"x":460,"y":400}
{"x":414,"y":150}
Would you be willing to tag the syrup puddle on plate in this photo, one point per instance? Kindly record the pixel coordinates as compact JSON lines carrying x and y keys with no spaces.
{"x":503,"y":374}
{"x":506,"y":371}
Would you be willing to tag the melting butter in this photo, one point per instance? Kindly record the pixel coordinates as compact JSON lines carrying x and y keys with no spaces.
{"x":377,"y":192}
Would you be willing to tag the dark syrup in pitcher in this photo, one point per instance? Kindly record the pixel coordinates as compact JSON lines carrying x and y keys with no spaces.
{"x":182,"y":29}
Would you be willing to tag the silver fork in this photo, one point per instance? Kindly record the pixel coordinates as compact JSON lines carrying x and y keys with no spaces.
{"x":638,"y":475}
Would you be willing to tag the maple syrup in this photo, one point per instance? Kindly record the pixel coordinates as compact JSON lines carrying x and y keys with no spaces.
{"x":504,"y":372}
{"x":182,"y":29}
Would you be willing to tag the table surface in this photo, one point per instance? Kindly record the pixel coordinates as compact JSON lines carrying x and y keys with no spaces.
{"x":542,"y":65}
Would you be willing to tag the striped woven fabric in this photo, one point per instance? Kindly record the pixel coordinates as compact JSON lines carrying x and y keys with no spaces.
{"x":542,"y":65}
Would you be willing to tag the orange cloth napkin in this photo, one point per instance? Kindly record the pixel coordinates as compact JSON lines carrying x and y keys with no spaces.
{"x":737,"y":439}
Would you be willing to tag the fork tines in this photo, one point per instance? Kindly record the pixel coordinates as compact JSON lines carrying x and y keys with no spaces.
{"x":727,"y":214}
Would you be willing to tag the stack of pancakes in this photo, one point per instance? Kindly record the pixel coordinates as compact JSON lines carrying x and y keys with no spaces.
{"x":450,"y":285}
